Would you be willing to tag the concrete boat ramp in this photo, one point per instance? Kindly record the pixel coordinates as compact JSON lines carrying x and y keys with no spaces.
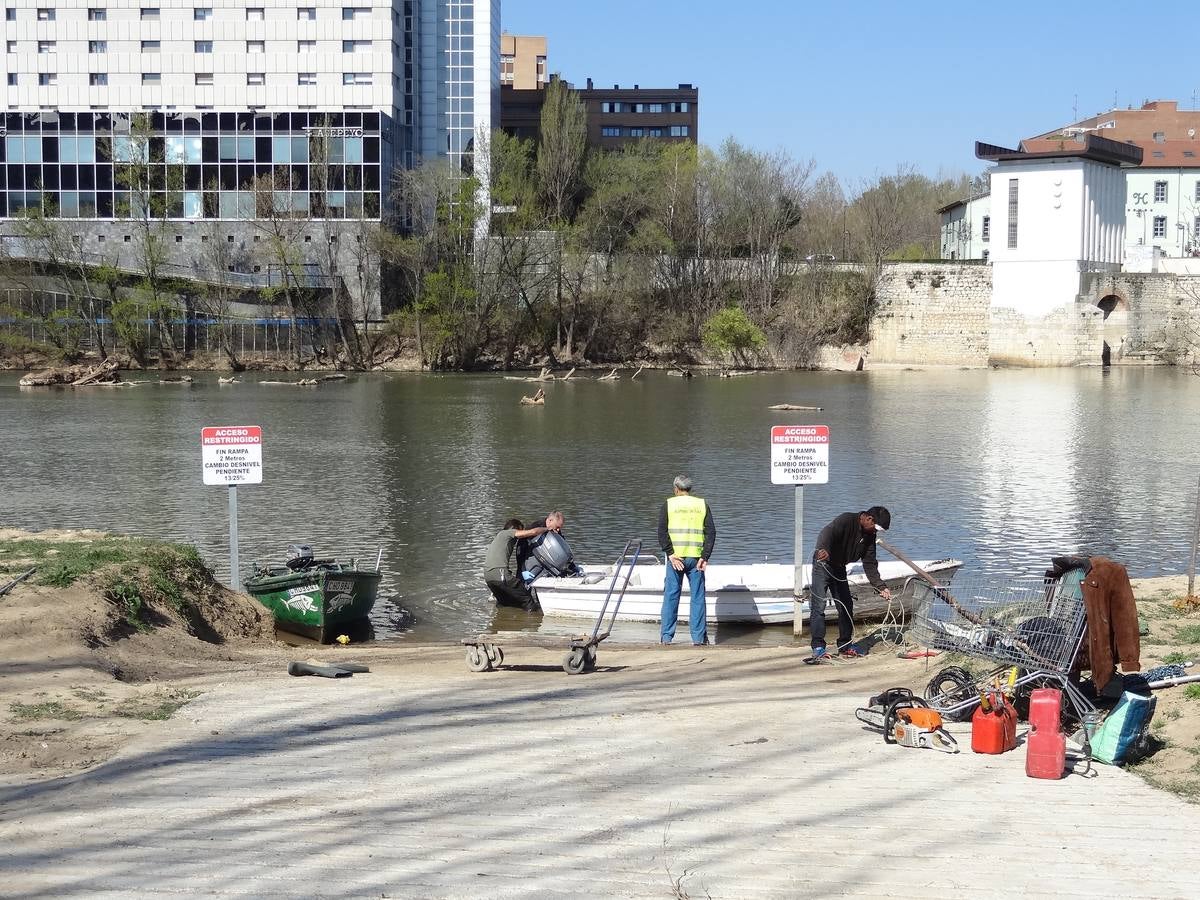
{"x":684,"y":773}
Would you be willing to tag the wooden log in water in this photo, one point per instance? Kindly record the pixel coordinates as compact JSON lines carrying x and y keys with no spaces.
{"x":792,"y":406}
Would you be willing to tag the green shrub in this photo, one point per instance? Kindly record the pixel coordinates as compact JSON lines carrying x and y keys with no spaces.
{"x":729,"y":332}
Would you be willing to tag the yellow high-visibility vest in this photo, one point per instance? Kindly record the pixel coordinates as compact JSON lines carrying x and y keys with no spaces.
{"x":685,"y":524}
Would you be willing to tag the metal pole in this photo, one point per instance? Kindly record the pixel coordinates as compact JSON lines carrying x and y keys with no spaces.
{"x":1195,"y":541}
{"x":235,"y":580}
{"x":798,"y":584}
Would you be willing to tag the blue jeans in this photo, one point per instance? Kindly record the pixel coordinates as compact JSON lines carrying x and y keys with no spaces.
{"x":672,"y":588}
{"x":828,"y":581}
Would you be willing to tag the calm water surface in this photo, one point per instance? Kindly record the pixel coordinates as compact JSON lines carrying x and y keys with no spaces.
{"x":1000,"y":468}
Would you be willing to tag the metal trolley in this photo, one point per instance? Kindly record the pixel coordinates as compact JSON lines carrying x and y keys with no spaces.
{"x":484,"y":651}
{"x":1034,"y":625}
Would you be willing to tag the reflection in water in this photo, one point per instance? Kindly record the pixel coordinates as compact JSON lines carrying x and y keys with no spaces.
{"x":1001,"y":468}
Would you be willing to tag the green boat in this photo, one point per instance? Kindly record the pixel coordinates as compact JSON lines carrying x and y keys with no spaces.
{"x":316,"y":598}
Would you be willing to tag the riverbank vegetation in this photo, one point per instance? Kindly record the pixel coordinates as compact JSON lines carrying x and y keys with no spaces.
{"x":533,"y":252}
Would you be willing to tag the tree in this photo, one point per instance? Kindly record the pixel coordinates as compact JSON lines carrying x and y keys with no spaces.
{"x":282,"y":248}
{"x":561,"y":148}
{"x":218,"y":258}
{"x":730,"y":333}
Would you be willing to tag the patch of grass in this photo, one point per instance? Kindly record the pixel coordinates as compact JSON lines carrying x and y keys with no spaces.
{"x":91,"y":695}
{"x":1177,"y":656}
{"x":157,"y":706}
{"x":51,"y":709}
{"x":123,"y":590}
{"x":1192,"y":692}
{"x":1188,"y":634}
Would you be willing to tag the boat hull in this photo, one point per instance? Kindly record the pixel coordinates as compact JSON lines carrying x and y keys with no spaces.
{"x":757,"y":594}
{"x":317,"y":605}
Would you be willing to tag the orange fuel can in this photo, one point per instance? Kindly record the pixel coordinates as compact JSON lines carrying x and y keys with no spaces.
{"x":994,"y":726}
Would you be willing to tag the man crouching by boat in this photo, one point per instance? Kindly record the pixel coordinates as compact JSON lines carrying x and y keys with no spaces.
{"x":506,"y":586}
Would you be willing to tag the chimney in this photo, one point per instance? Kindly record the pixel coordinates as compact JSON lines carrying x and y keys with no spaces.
{"x":589,"y":84}
{"x":636,"y":87}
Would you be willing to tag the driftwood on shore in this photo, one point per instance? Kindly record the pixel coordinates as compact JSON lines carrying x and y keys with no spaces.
{"x":680,"y":372}
{"x":611,"y":376}
{"x":303,"y":382}
{"x":538,"y":399}
{"x":793,"y":406}
{"x":107,"y":372}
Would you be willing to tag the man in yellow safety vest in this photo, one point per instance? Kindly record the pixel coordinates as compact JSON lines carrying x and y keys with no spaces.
{"x":686,"y":534}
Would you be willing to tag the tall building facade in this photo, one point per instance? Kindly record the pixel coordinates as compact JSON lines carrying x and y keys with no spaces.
{"x":327,"y":97}
{"x":523,"y":61}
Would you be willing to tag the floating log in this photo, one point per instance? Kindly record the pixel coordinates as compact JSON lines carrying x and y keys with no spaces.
{"x":222,"y":380}
{"x":303,"y":382}
{"x":680,"y":372}
{"x":611,"y":376}
{"x":735,"y":373}
{"x":181,"y":379}
{"x":568,"y":375}
{"x":336,"y":376}
{"x":75,"y":376}
{"x":793,"y":406}
{"x":105,"y":372}
{"x":538,"y":399}
{"x":637,"y":373}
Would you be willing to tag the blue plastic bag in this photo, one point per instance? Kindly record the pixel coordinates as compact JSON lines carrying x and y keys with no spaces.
{"x":1124,"y":729}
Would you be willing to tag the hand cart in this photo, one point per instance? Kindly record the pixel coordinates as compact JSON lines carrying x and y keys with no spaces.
{"x":484,"y":651}
{"x":1034,"y":626}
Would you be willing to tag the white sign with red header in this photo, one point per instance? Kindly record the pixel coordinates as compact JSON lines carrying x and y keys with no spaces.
{"x":799,"y":454}
{"x":232,"y":454}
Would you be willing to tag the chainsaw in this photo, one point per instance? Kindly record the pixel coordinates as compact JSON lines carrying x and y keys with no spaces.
{"x":906,"y":720}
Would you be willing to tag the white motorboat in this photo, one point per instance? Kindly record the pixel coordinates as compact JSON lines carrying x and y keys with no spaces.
{"x":757,"y":593}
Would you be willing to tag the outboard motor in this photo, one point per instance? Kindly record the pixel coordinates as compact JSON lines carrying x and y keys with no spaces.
{"x":299,"y":557}
{"x":553,"y":554}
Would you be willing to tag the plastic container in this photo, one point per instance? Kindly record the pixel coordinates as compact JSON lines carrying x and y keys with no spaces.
{"x":1046,"y":746}
{"x":994,"y":729}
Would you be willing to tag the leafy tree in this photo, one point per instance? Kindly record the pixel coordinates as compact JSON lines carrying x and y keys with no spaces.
{"x":729,"y":332}
{"x":561,"y":148}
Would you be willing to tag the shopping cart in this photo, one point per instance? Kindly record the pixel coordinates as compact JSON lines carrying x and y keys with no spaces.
{"x":1034,"y":626}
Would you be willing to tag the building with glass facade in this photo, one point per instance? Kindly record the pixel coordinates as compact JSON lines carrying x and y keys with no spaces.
{"x":327,"y":97}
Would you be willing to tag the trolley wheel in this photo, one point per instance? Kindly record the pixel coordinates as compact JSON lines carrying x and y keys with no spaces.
{"x":477,"y":659}
{"x":494,"y":654}
{"x":575,"y":661}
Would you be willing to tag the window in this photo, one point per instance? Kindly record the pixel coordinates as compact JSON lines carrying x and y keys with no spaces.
{"x":355,"y":12}
{"x":356,"y":78}
{"x":637,"y":132}
{"x":1160,"y":192}
{"x":987,"y":228}
{"x":151,"y":78}
{"x":680,"y":130}
{"x":255,"y":14}
{"x":1160,"y":226}
{"x":12,"y":46}
{"x":306,"y":46}
{"x":202,"y":13}
{"x":355,"y":46}
{"x":1158,"y":154}
{"x":151,"y":46}
{"x":12,"y":78}
{"x":507,"y":67}
{"x":46,"y":47}
{"x":1198,"y":191}
{"x":98,"y":79}
{"x":97,"y":46}
{"x":149,"y":14}
{"x":45,"y":15}
{"x":1160,"y":137}
{"x":47,"y":79}
{"x":306,"y":78}
{"x":203,"y":46}
{"x":654,"y":107}
{"x":656,"y":132}
{"x":256,"y":78}
{"x":307,"y":12}
{"x":256,"y":47}
{"x":1012,"y":213}
{"x":97,"y":15}
{"x":541,"y":68}
{"x":204,"y":78}
{"x":1195,"y":231}
{"x":10,"y":15}
{"x":678,"y":107}
{"x":610,"y":131}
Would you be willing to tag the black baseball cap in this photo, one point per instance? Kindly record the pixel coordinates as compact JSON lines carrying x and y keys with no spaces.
{"x":883,"y":518}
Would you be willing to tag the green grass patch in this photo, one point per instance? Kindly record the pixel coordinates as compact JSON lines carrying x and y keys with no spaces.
{"x":1188,"y":634}
{"x":1175,"y":657}
{"x":1192,"y":692}
{"x":157,"y":706}
{"x":51,"y":709}
{"x":90,"y":695}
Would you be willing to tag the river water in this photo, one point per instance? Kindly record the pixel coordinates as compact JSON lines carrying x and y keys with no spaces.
{"x":1001,"y":468}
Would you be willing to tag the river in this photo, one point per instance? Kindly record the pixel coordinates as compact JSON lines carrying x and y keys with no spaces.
{"x":1001,"y":468}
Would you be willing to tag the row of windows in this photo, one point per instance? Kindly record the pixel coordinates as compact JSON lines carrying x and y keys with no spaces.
{"x":191,"y":178}
{"x":1160,"y":192}
{"x":624,"y":107}
{"x":99,"y":79}
{"x":203,"y":46}
{"x":199,"y":13}
{"x":638,"y":131}
{"x":52,"y":123}
{"x":333,"y":204}
{"x":189,"y":150}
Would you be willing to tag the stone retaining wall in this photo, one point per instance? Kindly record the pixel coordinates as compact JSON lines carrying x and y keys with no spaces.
{"x":932,"y":314}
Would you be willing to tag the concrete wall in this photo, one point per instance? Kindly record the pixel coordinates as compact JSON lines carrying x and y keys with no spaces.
{"x":1154,"y":316}
{"x":931,"y":314}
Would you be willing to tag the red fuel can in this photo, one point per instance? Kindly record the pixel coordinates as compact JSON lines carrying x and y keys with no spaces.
{"x":1046,"y":746}
{"x":994,"y":726}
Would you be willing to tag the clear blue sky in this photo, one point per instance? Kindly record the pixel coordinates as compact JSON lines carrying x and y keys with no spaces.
{"x":861,"y":87}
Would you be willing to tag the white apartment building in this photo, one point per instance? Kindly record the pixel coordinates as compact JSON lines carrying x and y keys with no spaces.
{"x":966,"y":228}
{"x":235,"y":89}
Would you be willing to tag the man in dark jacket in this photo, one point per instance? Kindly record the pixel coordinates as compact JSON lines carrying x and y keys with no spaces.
{"x":848,"y":538}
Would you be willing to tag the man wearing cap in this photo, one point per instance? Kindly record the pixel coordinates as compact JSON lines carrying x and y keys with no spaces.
{"x":687,"y":535}
{"x":848,"y":538}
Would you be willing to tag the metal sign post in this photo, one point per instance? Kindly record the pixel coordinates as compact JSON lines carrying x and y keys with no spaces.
{"x":232,"y":455}
{"x":799,"y":456}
